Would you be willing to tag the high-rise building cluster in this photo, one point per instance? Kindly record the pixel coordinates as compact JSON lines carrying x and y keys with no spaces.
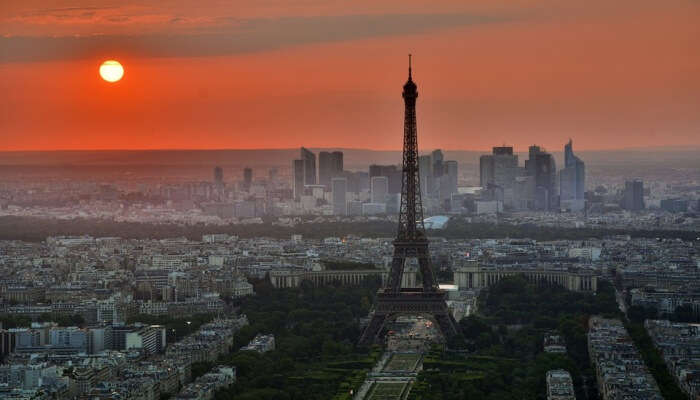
{"x":534,"y":186}
{"x":377,"y":191}
{"x":537,"y":186}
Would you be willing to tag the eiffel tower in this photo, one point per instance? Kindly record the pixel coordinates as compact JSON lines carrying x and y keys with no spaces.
{"x":411,"y":242}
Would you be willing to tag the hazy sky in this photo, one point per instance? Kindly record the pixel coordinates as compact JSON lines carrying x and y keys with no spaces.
{"x":328,"y":73}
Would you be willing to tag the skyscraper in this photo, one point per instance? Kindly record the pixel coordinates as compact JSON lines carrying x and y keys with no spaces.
{"x":362,"y":179}
{"x":572,"y":181}
{"x":330,"y":165}
{"x":218,"y":175}
{"x":505,"y":167}
{"x":357,"y":180}
{"x":298,"y":178}
{"x":451,"y":171}
{"x":247,"y":178}
{"x":425,"y":166}
{"x":379,"y":187}
{"x":438,"y":158}
{"x":309,"y":159}
{"x":486,"y":172}
{"x":541,"y":166}
{"x":392,"y":172}
{"x":324,"y":169}
{"x":272,"y":174}
{"x":500,"y":169}
{"x":339,"y":193}
{"x":633,"y":196}
{"x":524,"y":193}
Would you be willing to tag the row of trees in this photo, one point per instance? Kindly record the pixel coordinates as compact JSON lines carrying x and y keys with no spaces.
{"x":21,"y":321}
{"x":634,"y":323}
{"x":35,"y":229}
{"x":654,"y":361}
{"x":517,"y":301}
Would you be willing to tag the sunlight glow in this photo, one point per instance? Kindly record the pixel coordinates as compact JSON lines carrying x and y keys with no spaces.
{"x":111,"y":71}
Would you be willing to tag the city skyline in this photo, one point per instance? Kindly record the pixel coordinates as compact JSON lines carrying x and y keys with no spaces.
{"x":216,"y":200}
{"x":608,"y":76}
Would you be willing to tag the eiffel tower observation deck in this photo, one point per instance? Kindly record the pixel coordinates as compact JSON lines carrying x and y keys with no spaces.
{"x":410,"y":242}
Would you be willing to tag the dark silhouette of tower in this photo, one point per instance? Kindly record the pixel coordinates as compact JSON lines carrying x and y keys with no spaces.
{"x":411,"y":242}
{"x":330,"y":165}
{"x":218,"y":175}
{"x":309,"y":166}
{"x":633,"y":196}
{"x":247,"y":178}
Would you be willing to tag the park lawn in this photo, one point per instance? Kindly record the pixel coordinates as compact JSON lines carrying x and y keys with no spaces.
{"x":387,"y":390}
{"x":402,"y":362}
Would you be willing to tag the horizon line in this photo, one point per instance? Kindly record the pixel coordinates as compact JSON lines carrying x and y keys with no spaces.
{"x":686,"y":147}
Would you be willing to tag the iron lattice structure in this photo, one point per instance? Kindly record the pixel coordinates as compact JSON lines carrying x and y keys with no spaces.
{"x":411,"y":242}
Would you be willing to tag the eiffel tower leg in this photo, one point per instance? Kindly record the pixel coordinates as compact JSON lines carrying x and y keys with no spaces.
{"x":371,"y":333}
{"x":447,"y":324}
{"x":396,"y":272}
{"x":428,"y":280}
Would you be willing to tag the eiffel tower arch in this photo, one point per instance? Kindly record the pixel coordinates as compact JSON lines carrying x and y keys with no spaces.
{"x":410,"y":242}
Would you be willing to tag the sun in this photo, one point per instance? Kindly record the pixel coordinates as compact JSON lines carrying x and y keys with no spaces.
{"x":111,"y":71}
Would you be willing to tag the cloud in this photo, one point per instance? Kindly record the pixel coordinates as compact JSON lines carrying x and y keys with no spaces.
{"x":90,"y":20}
{"x":233,"y":36}
{"x":66,"y":15}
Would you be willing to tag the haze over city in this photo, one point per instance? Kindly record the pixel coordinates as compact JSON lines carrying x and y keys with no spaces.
{"x":366,"y":200}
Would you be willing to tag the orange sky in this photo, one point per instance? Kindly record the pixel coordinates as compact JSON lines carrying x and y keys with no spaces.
{"x":275,"y":73}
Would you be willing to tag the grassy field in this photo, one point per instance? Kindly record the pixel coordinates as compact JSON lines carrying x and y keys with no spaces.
{"x":387,"y":390}
{"x":402,"y":362}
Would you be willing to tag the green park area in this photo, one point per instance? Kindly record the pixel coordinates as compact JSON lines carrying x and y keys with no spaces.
{"x":402,"y":362}
{"x":502,"y":357}
{"x":387,"y":391}
{"x":315,"y":332}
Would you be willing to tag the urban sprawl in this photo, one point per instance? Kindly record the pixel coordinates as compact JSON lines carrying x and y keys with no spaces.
{"x":83,"y":315}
